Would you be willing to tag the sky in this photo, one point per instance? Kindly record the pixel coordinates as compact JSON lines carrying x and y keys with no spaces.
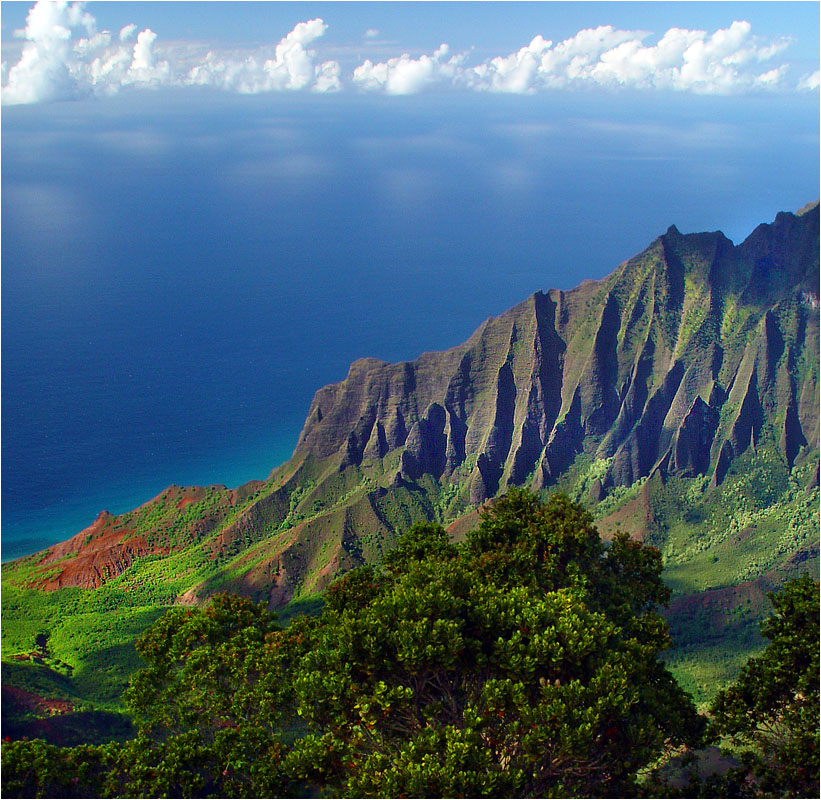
{"x":58,"y":51}
{"x":209,"y":210}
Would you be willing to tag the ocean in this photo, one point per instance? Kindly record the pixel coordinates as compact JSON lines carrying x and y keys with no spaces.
{"x":182,"y":270}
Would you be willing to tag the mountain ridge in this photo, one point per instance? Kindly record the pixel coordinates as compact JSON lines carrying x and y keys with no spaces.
{"x":606,"y":403}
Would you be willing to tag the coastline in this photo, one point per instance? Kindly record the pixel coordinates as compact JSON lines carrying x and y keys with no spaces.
{"x":29,"y":530}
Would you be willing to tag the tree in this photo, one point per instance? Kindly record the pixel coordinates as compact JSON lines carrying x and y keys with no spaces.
{"x":210,"y":706}
{"x":770,"y":713}
{"x":36,"y":769}
{"x":212,"y":703}
{"x":203,"y":670}
{"x":523,"y":662}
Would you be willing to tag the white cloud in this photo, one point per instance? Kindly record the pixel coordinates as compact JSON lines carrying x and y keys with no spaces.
{"x":770,"y":78}
{"x":95,"y":43}
{"x":406,"y":75}
{"x":127,"y":32}
{"x":328,"y":77}
{"x":144,"y":67}
{"x":64,"y":57}
{"x":810,"y":82}
{"x":45,"y":69}
{"x":292,"y":67}
{"x":691,"y":60}
{"x":728,"y":60}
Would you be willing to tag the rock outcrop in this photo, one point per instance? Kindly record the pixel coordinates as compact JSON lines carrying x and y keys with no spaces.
{"x":677,"y":361}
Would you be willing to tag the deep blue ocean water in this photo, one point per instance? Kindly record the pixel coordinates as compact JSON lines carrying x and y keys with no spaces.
{"x":181,"y":271}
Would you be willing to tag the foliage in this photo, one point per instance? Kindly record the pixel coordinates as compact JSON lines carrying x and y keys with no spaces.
{"x":705,"y":540}
{"x":203,"y":668}
{"x":242,"y":762}
{"x":523,"y":662}
{"x":213,"y":701}
{"x":36,"y":769}
{"x":724,"y":547}
{"x":771,"y":712}
{"x":210,"y":708}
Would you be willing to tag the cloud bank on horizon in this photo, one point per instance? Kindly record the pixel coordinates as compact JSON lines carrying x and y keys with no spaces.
{"x":65,"y":57}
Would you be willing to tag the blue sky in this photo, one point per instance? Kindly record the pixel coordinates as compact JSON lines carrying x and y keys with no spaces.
{"x":490,"y":27}
{"x":406,"y":48}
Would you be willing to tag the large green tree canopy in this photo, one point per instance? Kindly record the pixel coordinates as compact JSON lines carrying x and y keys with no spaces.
{"x":522,"y":662}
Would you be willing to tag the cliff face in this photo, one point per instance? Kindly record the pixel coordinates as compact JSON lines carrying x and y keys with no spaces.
{"x":674,"y":363}
{"x":687,"y":358}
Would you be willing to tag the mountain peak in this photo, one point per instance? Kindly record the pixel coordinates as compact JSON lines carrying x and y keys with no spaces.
{"x":620,"y":369}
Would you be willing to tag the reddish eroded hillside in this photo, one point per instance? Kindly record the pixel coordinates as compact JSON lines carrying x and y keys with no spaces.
{"x":712,"y":615}
{"x":175,"y":519}
{"x":308,"y":555}
{"x":635,"y":516}
{"x":16,"y":700}
{"x":111,"y":544}
{"x":721,"y":600}
{"x":95,"y":555}
{"x":459,"y":528}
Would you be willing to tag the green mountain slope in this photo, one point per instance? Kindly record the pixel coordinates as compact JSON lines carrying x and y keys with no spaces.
{"x":677,"y":398}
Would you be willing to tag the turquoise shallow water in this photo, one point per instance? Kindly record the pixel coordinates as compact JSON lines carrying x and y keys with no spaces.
{"x":34,"y":528}
{"x":180,"y":272}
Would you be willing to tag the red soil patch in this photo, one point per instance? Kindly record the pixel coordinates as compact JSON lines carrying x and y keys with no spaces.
{"x":242,"y":493}
{"x":34,"y":703}
{"x":281,"y":592}
{"x":459,"y":527}
{"x":634,"y":517}
{"x":190,"y":494}
{"x":326,"y":573}
{"x":715,"y":606}
{"x":92,"y":557}
{"x":107,"y":548}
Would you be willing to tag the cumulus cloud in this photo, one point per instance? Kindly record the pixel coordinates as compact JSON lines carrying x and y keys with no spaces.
{"x":144,"y":67}
{"x":64,"y":56}
{"x":46,"y":69}
{"x":406,"y":75}
{"x":543,"y":65}
{"x":728,"y":60}
{"x":292,"y":67}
